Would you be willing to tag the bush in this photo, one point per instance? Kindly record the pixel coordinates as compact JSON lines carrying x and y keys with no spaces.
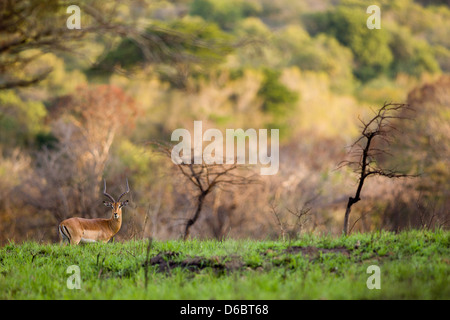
{"x":370,"y":47}
{"x":20,"y":119}
{"x":278,"y":100}
{"x":226,"y":13}
{"x":411,"y":56}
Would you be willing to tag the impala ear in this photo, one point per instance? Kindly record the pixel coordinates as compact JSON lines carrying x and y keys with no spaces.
{"x":108,"y":204}
{"x":124,"y":203}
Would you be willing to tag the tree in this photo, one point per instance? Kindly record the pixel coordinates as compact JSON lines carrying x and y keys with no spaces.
{"x":426,"y":150}
{"x":226,"y":13}
{"x":365,"y":150}
{"x":411,"y":55}
{"x":67,"y":175}
{"x":205,"y":178}
{"x":278,"y":100}
{"x":28,"y":29}
{"x":370,"y":48}
{"x":178,"y":49}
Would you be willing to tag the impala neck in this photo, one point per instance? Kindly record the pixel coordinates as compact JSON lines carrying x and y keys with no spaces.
{"x":114,"y":223}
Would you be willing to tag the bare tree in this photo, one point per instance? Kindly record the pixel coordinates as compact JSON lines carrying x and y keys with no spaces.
{"x":365,"y":150}
{"x":299,"y":217}
{"x":206,"y":178}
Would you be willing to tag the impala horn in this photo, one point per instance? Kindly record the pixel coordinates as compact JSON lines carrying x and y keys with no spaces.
{"x":107,"y":194}
{"x":128,"y":190}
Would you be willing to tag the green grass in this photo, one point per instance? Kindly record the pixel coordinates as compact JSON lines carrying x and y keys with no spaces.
{"x":413,"y":265}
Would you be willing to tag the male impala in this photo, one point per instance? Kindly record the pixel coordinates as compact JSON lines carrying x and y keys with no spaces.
{"x":76,"y":230}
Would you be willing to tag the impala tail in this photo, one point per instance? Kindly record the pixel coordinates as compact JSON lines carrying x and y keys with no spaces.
{"x":64,"y":233}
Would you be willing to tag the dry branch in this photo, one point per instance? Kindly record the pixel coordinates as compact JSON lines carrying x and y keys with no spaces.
{"x":379,"y":127}
{"x":206,"y":177}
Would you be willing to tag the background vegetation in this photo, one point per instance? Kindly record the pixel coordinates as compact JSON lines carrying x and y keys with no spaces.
{"x":77,"y":106}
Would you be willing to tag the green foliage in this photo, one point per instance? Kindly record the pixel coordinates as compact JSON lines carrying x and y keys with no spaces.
{"x":260,"y":49}
{"x":322,"y":53}
{"x":180,"y":46}
{"x":411,"y":56}
{"x":226,"y":13}
{"x":278,"y":100}
{"x":20,"y":119}
{"x":370,"y":47}
{"x":46,"y":139}
{"x":404,"y":44}
{"x":413,"y":265}
{"x":126,"y":55}
{"x":253,"y":27}
{"x":210,"y":43}
{"x":139,"y":162}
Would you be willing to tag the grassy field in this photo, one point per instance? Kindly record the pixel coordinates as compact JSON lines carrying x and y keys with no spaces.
{"x":413,"y":265}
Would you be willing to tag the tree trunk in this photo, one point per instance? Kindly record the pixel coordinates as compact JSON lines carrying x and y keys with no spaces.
{"x":351,"y":201}
{"x":347,"y":214}
{"x":190,"y":222}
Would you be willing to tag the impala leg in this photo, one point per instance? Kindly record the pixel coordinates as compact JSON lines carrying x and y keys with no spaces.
{"x":75,"y":240}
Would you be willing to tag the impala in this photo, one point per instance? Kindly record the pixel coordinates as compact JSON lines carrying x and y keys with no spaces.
{"x":76,"y":230}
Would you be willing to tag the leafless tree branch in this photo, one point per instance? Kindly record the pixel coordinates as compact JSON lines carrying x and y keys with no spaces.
{"x":206,"y":177}
{"x":379,"y":127}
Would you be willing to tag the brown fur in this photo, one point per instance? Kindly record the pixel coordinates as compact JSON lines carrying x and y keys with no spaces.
{"x":92,"y":230}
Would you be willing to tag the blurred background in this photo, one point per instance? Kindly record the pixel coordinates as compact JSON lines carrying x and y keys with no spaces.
{"x":80,"y":106}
